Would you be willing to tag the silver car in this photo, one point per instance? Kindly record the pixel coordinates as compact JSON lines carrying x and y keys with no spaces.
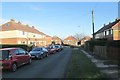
{"x":39,"y":52}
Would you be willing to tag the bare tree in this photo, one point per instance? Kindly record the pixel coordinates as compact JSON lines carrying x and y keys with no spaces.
{"x":79,"y":36}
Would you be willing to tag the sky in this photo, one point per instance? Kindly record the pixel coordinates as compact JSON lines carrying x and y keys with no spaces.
{"x":61,"y":19}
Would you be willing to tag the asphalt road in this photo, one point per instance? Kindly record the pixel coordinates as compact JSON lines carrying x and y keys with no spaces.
{"x":54,"y":66}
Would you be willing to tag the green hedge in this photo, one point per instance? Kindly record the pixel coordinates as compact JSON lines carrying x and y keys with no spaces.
{"x":113,"y":44}
{"x":24,"y":46}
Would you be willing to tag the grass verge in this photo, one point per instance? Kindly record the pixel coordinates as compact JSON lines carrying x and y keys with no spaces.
{"x":81,"y":67}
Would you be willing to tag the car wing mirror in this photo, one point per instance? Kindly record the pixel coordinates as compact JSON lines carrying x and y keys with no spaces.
{"x":26,"y":53}
{"x":10,"y":56}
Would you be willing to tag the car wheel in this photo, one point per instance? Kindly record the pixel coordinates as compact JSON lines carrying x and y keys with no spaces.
{"x":14,"y":67}
{"x":38,"y":56}
{"x":46,"y":55}
{"x":41,"y":57}
{"x":30,"y":61}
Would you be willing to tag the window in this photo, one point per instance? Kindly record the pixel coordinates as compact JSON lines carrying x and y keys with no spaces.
{"x":105,"y":33}
{"x":33,"y":35}
{"x":7,"y":25}
{"x":23,"y":33}
{"x":21,"y":51}
{"x":111,"y":31}
{"x":23,"y":42}
{"x":16,"y":51}
{"x":4,"y":54}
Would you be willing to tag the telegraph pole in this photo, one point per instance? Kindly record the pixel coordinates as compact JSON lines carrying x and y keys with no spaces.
{"x":93,"y":24}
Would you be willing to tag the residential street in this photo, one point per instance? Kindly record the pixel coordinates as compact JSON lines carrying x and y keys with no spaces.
{"x":54,"y":66}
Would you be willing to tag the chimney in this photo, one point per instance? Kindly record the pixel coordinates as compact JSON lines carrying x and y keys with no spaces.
{"x":104,"y":24}
{"x":12,"y":20}
{"x":19,"y":22}
{"x":109,"y":22}
{"x":116,"y":19}
{"x":33,"y":26}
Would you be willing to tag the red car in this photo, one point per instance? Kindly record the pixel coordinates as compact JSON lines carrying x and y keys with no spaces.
{"x":51,"y":49}
{"x":12,"y":58}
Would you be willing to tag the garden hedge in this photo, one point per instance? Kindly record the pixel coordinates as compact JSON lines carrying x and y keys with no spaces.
{"x":90,"y":44}
{"x":24,"y":46}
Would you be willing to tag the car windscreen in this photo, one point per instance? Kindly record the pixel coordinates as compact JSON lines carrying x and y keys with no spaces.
{"x":4,"y":54}
{"x":57,"y":46}
{"x":37,"y":49}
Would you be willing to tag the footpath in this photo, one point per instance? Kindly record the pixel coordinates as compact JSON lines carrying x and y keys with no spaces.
{"x":109,"y":70}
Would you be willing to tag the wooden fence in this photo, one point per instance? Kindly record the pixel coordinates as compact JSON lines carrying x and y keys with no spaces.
{"x":107,"y":52}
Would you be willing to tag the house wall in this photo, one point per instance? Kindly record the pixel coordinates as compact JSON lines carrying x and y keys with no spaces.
{"x":70,"y":42}
{"x":116,"y":31}
{"x":57,"y":41}
{"x":48,"y":40}
{"x":20,"y":37}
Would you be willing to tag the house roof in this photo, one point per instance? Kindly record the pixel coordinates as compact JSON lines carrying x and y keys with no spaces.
{"x":12,"y":25}
{"x":55,"y":38}
{"x":86,"y":38}
{"x":70,"y":38}
{"x":110,"y":25}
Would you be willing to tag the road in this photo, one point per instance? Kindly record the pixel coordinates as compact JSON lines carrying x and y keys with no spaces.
{"x":54,"y":66}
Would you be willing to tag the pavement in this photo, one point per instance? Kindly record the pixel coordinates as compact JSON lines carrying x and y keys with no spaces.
{"x":109,"y":70}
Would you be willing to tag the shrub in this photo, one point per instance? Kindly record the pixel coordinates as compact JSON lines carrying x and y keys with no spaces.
{"x":90,"y":44}
{"x":113,"y":44}
{"x":24,"y":46}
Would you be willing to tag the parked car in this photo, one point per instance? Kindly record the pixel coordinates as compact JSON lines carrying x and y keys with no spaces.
{"x":39,"y":52}
{"x":57,"y":48}
{"x":61,"y":47}
{"x":12,"y":58}
{"x":51,"y":49}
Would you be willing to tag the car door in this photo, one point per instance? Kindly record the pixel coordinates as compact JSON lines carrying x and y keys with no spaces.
{"x":18,"y":57}
{"x":45,"y":51}
{"x":25,"y":56}
{"x":22,"y":54}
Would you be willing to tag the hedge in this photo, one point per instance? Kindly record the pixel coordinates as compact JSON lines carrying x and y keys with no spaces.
{"x":24,"y":46}
{"x":90,"y":44}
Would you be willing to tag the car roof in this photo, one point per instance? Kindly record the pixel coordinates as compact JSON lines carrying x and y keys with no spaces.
{"x":9,"y":48}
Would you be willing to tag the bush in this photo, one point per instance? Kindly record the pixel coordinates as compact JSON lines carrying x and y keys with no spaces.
{"x":90,"y":44}
{"x":113,"y":44}
{"x":23,"y":46}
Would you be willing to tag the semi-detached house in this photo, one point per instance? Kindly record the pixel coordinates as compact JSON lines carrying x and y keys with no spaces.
{"x":110,"y":31}
{"x":14,"y":32}
{"x":70,"y":40}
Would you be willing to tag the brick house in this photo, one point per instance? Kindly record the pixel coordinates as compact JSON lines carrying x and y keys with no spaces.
{"x":110,"y":31}
{"x":83,"y":40}
{"x":57,"y":40}
{"x":70,"y":40}
{"x":16,"y":33}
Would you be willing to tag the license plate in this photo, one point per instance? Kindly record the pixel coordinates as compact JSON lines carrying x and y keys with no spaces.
{"x":33,"y":56}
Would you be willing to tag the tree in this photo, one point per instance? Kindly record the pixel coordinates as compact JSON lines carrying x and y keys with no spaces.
{"x":79,"y":36}
{"x":53,"y":42}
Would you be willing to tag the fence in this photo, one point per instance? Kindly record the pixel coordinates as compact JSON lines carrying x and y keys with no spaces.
{"x":107,"y":52}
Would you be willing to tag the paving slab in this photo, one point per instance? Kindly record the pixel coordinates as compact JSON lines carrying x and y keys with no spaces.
{"x":110,"y":70}
{"x":111,"y":73}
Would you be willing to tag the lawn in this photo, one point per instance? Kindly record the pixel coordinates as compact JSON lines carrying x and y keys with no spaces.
{"x":81,"y":67}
